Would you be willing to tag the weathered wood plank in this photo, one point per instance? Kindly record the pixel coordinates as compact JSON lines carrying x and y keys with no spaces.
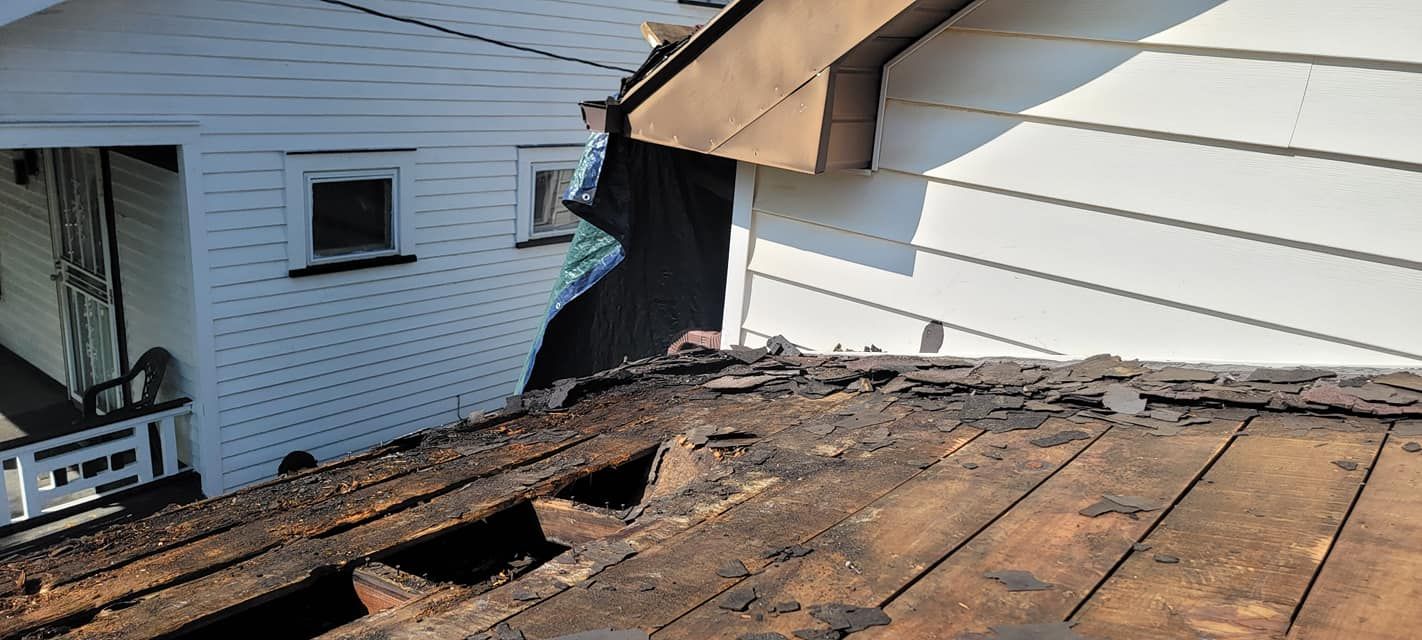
{"x":1047,"y":535}
{"x":1368,"y":589}
{"x":212,"y":553}
{"x":569,"y":523}
{"x":456,"y":613}
{"x":771,"y":418}
{"x":381,"y":586}
{"x":1248,"y":538}
{"x":115,"y":546}
{"x":281,"y":571}
{"x":870,"y":556}
{"x":684,"y":570}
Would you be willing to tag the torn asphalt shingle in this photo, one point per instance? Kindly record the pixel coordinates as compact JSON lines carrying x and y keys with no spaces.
{"x":977,"y":407}
{"x":1123,"y":399}
{"x":1120,"y":504}
{"x":738,"y":599}
{"x":1347,"y":465}
{"x":733,"y":569}
{"x":849,"y":619}
{"x":1289,"y":375}
{"x":1014,"y":421}
{"x":1061,"y":438}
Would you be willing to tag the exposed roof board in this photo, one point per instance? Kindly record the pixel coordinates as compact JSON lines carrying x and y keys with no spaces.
{"x":804,"y":493}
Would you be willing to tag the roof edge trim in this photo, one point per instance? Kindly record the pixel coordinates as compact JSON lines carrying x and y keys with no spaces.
{"x":719,"y":25}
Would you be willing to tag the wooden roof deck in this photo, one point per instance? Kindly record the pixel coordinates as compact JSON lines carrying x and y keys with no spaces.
{"x":830,"y":493}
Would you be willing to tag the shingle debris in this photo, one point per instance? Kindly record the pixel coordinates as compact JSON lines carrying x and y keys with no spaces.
{"x":1120,"y":504}
{"x":849,"y":619}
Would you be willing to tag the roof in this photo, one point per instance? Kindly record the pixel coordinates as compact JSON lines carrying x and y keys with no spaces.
{"x":786,"y":83}
{"x":13,"y":10}
{"x":718,"y":495}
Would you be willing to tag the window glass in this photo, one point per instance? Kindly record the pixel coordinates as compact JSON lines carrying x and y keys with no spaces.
{"x":351,"y":217}
{"x":550,"y":217}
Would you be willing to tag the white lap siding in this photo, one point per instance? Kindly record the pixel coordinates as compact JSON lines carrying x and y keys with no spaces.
{"x":338,"y":362}
{"x":29,"y":304}
{"x":156,"y":275}
{"x":1234,"y":180}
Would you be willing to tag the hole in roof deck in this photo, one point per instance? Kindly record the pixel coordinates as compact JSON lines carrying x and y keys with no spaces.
{"x":617,"y":488}
{"x":325,"y":604}
{"x":483,"y":555}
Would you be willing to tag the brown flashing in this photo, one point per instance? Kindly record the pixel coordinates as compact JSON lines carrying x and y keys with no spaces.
{"x":785,"y":83}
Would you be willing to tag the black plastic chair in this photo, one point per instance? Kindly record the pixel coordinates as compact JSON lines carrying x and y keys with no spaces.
{"x":152,"y":364}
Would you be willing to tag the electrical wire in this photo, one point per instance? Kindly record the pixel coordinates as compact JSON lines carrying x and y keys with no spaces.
{"x":428,"y":25}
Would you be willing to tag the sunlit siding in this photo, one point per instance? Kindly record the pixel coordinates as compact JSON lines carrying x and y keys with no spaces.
{"x":335,"y":363}
{"x":1233,"y":180}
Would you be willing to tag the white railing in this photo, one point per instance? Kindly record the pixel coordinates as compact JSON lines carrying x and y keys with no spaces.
{"x":60,"y":473}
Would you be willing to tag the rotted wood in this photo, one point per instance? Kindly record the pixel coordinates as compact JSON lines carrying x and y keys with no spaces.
{"x":80,"y":598}
{"x":688,"y":567}
{"x":569,"y":523}
{"x":381,"y":586}
{"x":1234,"y":558}
{"x":611,"y":449}
{"x":669,"y":509}
{"x":456,"y":613}
{"x":288,"y":568}
{"x":74,"y":600}
{"x":116,"y":546}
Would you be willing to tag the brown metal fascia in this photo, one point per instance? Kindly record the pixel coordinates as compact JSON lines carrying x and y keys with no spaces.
{"x":744,"y":74}
{"x":718,"y":26}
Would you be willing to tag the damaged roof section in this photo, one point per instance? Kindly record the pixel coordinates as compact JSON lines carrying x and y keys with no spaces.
{"x":792,"y":84}
{"x":765,"y":493}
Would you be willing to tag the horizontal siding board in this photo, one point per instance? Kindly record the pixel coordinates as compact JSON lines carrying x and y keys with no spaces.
{"x":404,"y":390}
{"x":299,"y":326}
{"x":152,"y":241}
{"x":491,"y":319}
{"x":267,"y":77}
{"x":328,"y":445}
{"x":1374,"y":30}
{"x":1025,"y":308}
{"x":1146,"y":258}
{"x":326,"y":379}
{"x":1293,"y":198}
{"x":823,"y":320}
{"x":1199,"y":95}
{"x":1366,"y":112}
{"x":293,"y":295}
{"x":258,"y":373}
{"x":29,"y":304}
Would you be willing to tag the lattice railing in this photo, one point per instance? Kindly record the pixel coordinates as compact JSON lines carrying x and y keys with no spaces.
{"x":112,"y":456}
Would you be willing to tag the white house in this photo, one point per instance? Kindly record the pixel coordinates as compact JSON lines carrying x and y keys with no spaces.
{"x":1185,"y":180}
{"x":342,"y":227}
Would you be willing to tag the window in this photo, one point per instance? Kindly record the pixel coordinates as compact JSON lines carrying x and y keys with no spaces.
{"x":349,"y":210}
{"x":544,"y":174}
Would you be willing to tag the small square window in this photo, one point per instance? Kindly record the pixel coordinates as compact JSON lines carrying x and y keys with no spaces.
{"x":550,"y":217}
{"x":545,"y":173}
{"x":351,"y":217}
{"x":349,"y":209}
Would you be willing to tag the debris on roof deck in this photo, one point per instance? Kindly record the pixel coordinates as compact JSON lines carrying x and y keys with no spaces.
{"x":765,"y":493}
